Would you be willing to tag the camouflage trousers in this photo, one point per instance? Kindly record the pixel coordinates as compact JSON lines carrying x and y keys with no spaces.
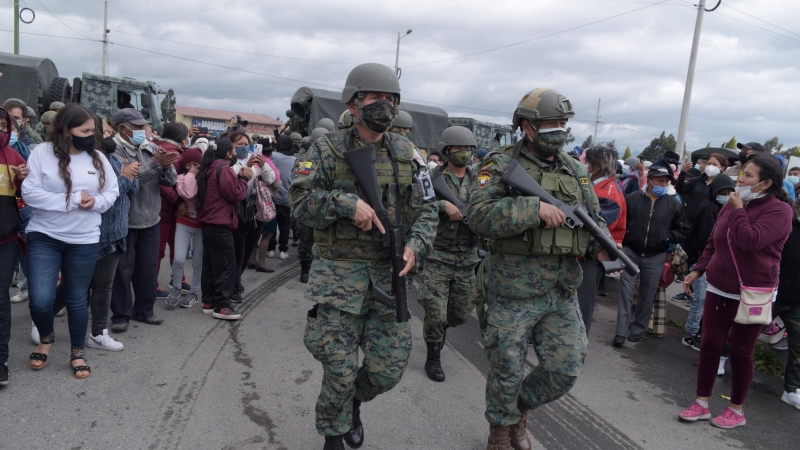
{"x":559,"y":339}
{"x":446,"y":293}
{"x":333,"y":337}
{"x":306,"y":236}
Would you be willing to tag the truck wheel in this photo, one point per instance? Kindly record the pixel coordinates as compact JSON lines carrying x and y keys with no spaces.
{"x":60,"y":90}
{"x":76,"y":90}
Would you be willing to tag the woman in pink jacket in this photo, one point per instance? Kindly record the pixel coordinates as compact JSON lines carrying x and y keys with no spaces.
{"x":754,"y":224}
{"x":187,"y":228}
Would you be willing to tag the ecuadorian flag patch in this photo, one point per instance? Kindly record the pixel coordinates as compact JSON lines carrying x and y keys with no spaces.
{"x":483,"y":178}
{"x":304,"y":168}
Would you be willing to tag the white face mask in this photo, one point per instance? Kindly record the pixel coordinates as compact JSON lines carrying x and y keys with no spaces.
{"x":551,"y":130}
{"x":432,"y":165}
{"x":746,"y":192}
{"x":712,"y":171}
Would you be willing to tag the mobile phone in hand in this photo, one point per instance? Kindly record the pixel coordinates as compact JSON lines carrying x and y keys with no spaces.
{"x":203,"y":131}
{"x":258,"y":149}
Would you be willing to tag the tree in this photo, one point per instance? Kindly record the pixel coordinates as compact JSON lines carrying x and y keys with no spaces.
{"x":587,"y":143}
{"x":773,"y":146}
{"x":730,"y":144}
{"x":570,"y":137}
{"x":794,"y":151}
{"x":627,"y":153}
{"x":708,"y":145}
{"x":658,"y":147}
{"x":168,"y":106}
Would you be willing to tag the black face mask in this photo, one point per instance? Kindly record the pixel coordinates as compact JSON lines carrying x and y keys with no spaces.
{"x":378,"y":116}
{"x":233,"y":159}
{"x":108,"y":145}
{"x":85,"y":144}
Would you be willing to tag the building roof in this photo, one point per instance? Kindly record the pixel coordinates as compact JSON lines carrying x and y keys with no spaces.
{"x":218,"y":114}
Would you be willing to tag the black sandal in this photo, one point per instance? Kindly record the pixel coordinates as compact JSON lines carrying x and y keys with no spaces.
{"x":35,"y":356}
{"x":81,"y":368}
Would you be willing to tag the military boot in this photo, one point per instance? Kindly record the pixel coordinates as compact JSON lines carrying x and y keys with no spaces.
{"x":433,"y":366}
{"x":333,"y":443}
{"x":355,"y":437}
{"x":518,"y":431}
{"x":305,"y":267}
{"x":498,"y":438}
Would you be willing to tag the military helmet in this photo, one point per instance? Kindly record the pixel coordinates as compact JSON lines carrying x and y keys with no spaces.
{"x":370,"y":77}
{"x":542,"y":104}
{"x":456,"y":136}
{"x":305,"y":140}
{"x":318,"y":132}
{"x":296,"y":137}
{"x":14,"y":103}
{"x":256,"y":138}
{"x":55,"y":106}
{"x":29,"y":113}
{"x":403,"y":120}
{"x":345,"y":120}
{"x":326,"y":123}
{"x":48,"y":117}
{"x":289,"y":113}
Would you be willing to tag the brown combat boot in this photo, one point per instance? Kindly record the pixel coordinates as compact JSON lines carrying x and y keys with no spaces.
{"x":518,"y":431}
{"x":498,"y":438}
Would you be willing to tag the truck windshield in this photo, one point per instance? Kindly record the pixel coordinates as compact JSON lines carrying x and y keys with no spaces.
{"x":136,"y":98}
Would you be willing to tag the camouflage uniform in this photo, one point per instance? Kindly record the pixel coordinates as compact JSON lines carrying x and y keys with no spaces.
{"x":448,"y":282}
{"x":532,"y":277}
{"x":303,"y":232}
{"x":347,"y":263}
{"x":28,"y":129}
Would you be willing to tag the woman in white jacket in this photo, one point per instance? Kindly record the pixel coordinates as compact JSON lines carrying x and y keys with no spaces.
{"x":69,"y":185}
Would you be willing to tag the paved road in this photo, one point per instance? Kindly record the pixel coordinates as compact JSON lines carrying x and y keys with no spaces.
{"x":200,"y":383}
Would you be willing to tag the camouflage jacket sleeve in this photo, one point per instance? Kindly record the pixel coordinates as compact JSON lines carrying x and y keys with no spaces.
{"x":314,"y":203}
{"x":592,"y":202}
{"x":492,"y":212}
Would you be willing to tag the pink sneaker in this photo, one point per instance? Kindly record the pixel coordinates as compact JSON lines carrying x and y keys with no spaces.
{"x":695,"y":412}
{"x":729,"y":419}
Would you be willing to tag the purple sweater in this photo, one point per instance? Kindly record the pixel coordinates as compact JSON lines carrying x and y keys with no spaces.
{"x":757,"y":233}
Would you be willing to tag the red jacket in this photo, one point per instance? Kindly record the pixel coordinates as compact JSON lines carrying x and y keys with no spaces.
{"x":170,"y":200}
{"x":612,"y":207}
{"x":220,"y":197}
{"x":10,"y":187}
{"x":757,"y":233}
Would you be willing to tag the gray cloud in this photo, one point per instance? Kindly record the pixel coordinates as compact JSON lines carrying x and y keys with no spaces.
{"x":746,"y":81}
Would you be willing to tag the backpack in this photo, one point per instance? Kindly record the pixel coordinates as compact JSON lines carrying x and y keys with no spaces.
{"x":245,"y":209}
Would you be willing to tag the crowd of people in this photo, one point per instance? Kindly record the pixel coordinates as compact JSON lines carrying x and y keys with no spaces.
{"x":94,"y":202}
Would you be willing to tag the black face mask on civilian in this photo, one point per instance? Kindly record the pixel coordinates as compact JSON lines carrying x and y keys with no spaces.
{"x":84,"y":144}
{"x":378,"y":116}
{"x":108,"y":145}
{"x":233,"y":158}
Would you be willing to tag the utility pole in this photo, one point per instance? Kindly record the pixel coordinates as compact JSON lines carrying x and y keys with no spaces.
{"x":687,"y":93}
{"x":105,"y":39}
{"x":596,"y":121}
{"x":16,"y":27}
{"x":397,"y":54}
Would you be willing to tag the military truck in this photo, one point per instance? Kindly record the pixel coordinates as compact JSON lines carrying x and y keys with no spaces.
{"x":489,"y":136}
{"x":36,"y":82}
{"x":309,"y":105}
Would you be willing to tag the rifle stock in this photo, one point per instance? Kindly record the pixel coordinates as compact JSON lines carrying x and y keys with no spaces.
{"x":576,"y":216}
{"x":362,"y":163}
{"x":443,"y":192}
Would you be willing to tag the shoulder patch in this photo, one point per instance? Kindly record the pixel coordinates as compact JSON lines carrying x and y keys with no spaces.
{"x":304,"y":168}
{"x":585,"y":181}
{"x":483,"y":178}
{"x":487,"y":167}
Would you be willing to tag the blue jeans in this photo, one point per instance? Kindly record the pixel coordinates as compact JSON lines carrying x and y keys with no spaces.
{"x":25,"y":217}
{"x":696,"y":305}
{"x":46,"y":256}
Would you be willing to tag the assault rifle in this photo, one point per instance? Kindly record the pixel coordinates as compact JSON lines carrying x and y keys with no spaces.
{"x":443,"y":192}
{"x":362,"y":163}
{"x":576,"y":216}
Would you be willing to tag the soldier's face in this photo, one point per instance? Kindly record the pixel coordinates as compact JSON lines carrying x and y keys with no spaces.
{"x":530,"y":131}
{"x":16,"y":113}
{"x":370,"y":98}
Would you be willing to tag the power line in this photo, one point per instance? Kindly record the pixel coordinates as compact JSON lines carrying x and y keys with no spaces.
{"x":756,"y":26}
{"x":54,"y":36}
{"x":538,"y":37}
{"x":761,"y":20}
{"x":189,"y":15}
{"x":62,"y":23}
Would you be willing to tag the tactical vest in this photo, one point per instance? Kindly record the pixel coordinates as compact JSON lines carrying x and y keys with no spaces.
{"x":344,"y":241}
{"x":455,"y":235}
{"x":561,"y":241}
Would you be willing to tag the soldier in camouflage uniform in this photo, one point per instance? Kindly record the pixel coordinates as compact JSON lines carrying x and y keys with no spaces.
{"x":349,"y":260}
{"x":447,"y":289}
{"x":532,"y":269}
{"x":304,"y":233}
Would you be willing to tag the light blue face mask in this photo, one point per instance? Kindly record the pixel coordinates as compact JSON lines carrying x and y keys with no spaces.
{"x":13,"y":138}
{"x":794,"y":179}
{"x":697,"y":166}
{"x":722,"y":199}
{"x":137,"y":136}
{"x":659,"y":191}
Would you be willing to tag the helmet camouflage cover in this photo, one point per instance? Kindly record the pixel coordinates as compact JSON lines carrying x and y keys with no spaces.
{"x":543,"y":104}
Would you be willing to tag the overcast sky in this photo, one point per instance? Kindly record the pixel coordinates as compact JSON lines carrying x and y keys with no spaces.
{"x":747,"y":82}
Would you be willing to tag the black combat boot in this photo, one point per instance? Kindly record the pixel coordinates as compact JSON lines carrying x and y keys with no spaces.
{"x":433,"y":366}
{"x":333,"y":443}
{"x":355,"y":437}
{"x":305,"y":267}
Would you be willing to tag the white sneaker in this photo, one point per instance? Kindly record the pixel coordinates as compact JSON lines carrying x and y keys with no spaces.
{"x":271,"y":254}
{"x":20,"y":297}
{"x":104,"y":342}
{"x":783,"y":344}
{"x":284,"y":255}
{"x":721,"y":369}
{"x":35,"y":334}
{"x":792,"y":398}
